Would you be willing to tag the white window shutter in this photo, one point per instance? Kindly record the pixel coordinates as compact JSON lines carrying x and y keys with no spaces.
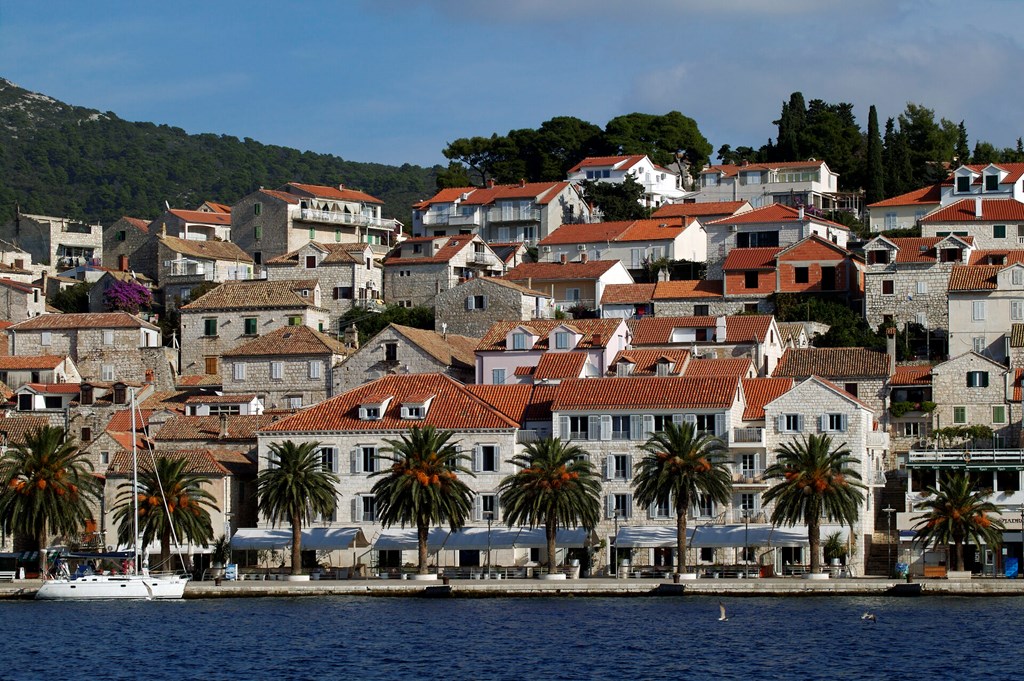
{"x":609,"y":467}
{"x":648,"y":425}
{"x":362,"y":413}
{"x":609,"y":506}
{"x":823,"y":423}
{"x":843,"y":419}
{"x":691,"y":419}
{"x":497,"y":459}
{"x":719,"y":424}
{"x":478,"y":508}
{"x":485,"y":303}
{"x":636,"y":427}
{"x":564,"y":427}
{"x":469,"y":302}
{"x":606,"y":427}
{"x":478,"y":459}
{"x":780,"y":423}
{"x":594,"y":427}
{"x":357,"y":515}
{"x":354,"y":460}
{"x":629,"y":506}
{"x":629,"y":466}
{"x":677,"y":419}
{"x":800,"y":423}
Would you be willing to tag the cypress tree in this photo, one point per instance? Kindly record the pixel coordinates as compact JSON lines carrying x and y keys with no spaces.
{"x":875,"y":171}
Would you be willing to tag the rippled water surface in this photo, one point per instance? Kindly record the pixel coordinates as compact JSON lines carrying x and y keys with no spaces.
{"x":541,"y":638}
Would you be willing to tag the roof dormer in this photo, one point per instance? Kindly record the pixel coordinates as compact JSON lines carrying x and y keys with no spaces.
{"x":415,"y":406}
{"x":963,"y":180}
{"x":1011,"y":277}
{"x":372,"y":407}
{"x":563,"y":337}
{"x":520,"y":338}
{"x":992,"y":176}
{"x":624,"y":367}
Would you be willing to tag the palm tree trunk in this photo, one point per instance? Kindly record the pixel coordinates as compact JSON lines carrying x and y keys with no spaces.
{"x":551,"y":532}
{"x":959,"y":553}
{"x":296,"y":543}
{"x":814,"y":539}
{"x":41,"y":537}
{"x":681,"y":541}
{"x":422,"y":534}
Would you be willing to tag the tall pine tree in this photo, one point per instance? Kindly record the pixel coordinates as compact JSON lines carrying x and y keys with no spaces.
{"x":874,"y":172}
{"x":899,"y":174}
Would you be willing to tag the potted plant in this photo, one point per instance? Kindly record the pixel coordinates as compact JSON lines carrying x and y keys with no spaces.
{"x":834,"y":548}
{"x":220,"y":556}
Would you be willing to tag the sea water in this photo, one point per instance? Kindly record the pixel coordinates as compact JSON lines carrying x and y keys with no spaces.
{"x":341,"y":637}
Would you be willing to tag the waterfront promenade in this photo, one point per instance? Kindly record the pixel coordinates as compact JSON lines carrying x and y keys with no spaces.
{"x":467,"y":588}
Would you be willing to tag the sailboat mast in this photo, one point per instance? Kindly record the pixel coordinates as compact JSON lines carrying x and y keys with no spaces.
{"x":135,"y":492}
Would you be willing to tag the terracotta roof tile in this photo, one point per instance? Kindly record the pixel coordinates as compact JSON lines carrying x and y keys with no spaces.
{"x":494,"y":339}
{"x":616,"y":162}
{"x":1018,"y":374}
{"x":731,"y":170}
{"x":791,"y":330}
{"x":289,"y":341}
{"x":760,"y":258}
{"x":560,"y":365}
{"x":997,"y":256}
{"x":335,"y":253}
{"x":605,"y":232}
{"x":233,"y":398}
{"x":512,"y":400}
{"x":199,"y":461}
{"x":54,"y":388}
{"x":645,"y":362}
{"x":759,"y":392}
{"x":912,"y":374}
{"x":644,"y":392}
{"x":253,"y":294}
{"x":324,"y":192}
{"x":83,"y":320}
{"x":453,"y":245}
{"x":513,"y":286}
{"x":46,"y":362}
{"x":448,"y":350}
{"x":773,"y":213}
{"x":202,"y":217}
{"x":19,"y":286}
{"x":281,"y":196}
{"x":211,"y":250}
{"x":137,"y":223}
{"x":738,"y":367}
{"x":684,"y":290}
{"x":556,"y":271}
{"x":541,"y":192}
{"x":695,"y":210}
{"x":621,"y":294}
{"x":800,"y":363}
{"x":121,"y":421}
{"x":1014,"y":172}
{"x":207,"y":428}
{"x":974,"y":277}
{"x":14,"y":428}
{"x":992,"y":210}
{"x":453,"y":408}
{"x":1017,"y":336}
{"x":931,"y":194}
{"x":196,"y":380}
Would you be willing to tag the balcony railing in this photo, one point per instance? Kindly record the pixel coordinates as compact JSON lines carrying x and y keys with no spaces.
{"x":482,"y":259}
{"x":967,"y":456}
{"x":565,"y":305}
{"x":878,"y":439}
{"x":740,"y":516}
{"x":748,"y":476}
{"x":526,"y":436}
{"x":456,"y":219}
{"x":515,"y":215}
{"x":343,"y":218}
{"x":751,"y":436}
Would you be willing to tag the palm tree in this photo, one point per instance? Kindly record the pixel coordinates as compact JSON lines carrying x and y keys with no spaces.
{"x":956,"y":512}
{"x":186,"y":510}
{"x":816,"y":481}
{"x":680,"y":466}
{"x":294,"y":488}
{"x":556,"y":486}
{"x":46,"y":484}
{"x":422,"y":486}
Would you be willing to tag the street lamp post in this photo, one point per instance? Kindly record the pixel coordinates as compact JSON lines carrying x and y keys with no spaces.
{"x":888,"y":510}
{"x":746,"y":541}
{"x":614,"y":548}
{"x":490,"y":518}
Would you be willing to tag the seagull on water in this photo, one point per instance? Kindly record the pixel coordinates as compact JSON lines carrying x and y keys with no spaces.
{"x":869,"y":616}
{"x":722,"y":617}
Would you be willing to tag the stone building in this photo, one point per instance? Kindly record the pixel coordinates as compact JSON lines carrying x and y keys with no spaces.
{"x":571,"y":284}
{"x":472,"y":307}
{"x":971,"y":389}
{"x":269,"y":223}
{"x":754,"y":336}
{"x":106,"y":347}
{"x":421,"y":267}
{"x":996,"y":223}
{"x":130,"y":238}
{"x":984,"y":302}
{"x":289,"y":367}
{"x":864,"y":374}
{"x":20,"y":301}
{"x":910,"y":422}
{"x":349,"y":275}
{"x":240,"y":310}
{"x":17,"y":371}
{"x":906,"y":279}
{"x":55,"y":242}
{"x":193,"y":225}
{"x":184,"y":264}
{"x":403,"y":350}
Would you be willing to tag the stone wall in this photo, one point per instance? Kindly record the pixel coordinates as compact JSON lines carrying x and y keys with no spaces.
{"x":502,"y":303}
{"x":295,"y":382}
{"x":138,"y":246}
{"x":273,"y":219}
{"x":721,"y":240}
{"x":369,"y":363}
{"x":715,"y":306}
{"x":414,"y":284}
{"x":125,"y":359}
{"x":950,"y":390}
{"x":907,"y":300}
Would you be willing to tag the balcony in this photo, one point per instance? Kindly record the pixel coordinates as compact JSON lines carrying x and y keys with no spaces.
{"x":747,"y":437}
{"x":482,"y":259}
{"x":343,"y":218}
{"x":473,"y":219}
{"x":526,"y":436}
{"x":748,"y":476}
{"x":967,"y":457}
{"x":566,"y":305}
{"x":740,"y":516}
{"x":190,"y":269}
{"x":496,"y":215}
{"x":878,"y":439}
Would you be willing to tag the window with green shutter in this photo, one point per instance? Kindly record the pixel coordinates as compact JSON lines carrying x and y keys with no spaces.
{"x":209,"y":327}
{"x":250,"y":326}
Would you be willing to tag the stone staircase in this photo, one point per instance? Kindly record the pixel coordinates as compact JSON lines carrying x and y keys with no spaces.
{"x":880,"y":553}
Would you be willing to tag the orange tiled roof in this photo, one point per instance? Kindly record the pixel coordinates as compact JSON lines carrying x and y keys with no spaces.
{"x":512,"y":400}
{"x":974,"y":277}
{"x":1014,"y":172}
{"x":759,"y":392}
{"x":604,"y":329}
{"x":137,"y":223}
{"x":992,"y":210}
{"x":624,"y":230}
{"x":452,"y":246}
{"x":202,"y":217}
{"x":1017,"y":375}
{"x":731,"y":169}
{"x":281,"y":196}
{"x":335,"y":253}
{"x":233,"y":398}
{"x":772,"y":213}
{"x":931,"y":194}
{"x":194,"y":380}
{"x":200,"y":461}
{"x":255,"y":294}
{"x":645,"y":362}
{"x":83,"y":320}
{"x":695,"y":210}
{"x":645,"y":392}
{"x":992,"y":256}
{"x":290,"y":341}
{"x":14,"y":428}
{"x":684,"y":290}
{"x":212,"y":250}
{"x":11,"y":363}
{"x":621,"y":294}
{"x":453,"y":408}
{"x":55,"y":388}
{"x":559,"y":365}
{"x":540,"y":192}
{"x":915,"y":249}
{"x":833,"y":363}
{"x":758,"y":258}
{"x":616,"y":162}
{"x":556,"y":271}
{"x":207,"y":428}
{"x":450,"y":349}
{"x":121,"y":421}
{"x":912,"y":374}
{"x":731,"y":366}
{"x":339,"y":193}
{"x":446,"y":195}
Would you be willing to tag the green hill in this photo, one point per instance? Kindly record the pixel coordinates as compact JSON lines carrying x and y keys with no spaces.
{"x":64,"y":160}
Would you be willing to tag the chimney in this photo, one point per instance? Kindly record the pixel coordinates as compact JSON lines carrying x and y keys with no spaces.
{"x":663,"y":274}
{"x":122,"y":263}
{"x":223,"y":426}
{"x":721,"y":330}
{"x":584,"y":257}
{"x":352,"y":337}
{"x":800,"y":214}
{"x":490,"y":183}
{"x":745,"y":163}
{"x":563,"y":258}
{"x":597,"y":340}
{"x":341,"y":187}
{"x":163,"y":229}
{"x":522,"y":181}
{"x":890,"y":347}
{"x":977,"y":209}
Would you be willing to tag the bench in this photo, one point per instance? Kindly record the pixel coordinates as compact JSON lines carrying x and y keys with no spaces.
{"x":7,"y":575}
{"x":938,"y":571}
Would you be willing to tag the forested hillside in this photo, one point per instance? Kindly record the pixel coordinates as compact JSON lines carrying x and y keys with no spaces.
{"x":58,"y":159}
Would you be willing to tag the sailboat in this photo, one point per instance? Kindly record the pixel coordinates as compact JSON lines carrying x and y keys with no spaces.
{"x":137,"y":584}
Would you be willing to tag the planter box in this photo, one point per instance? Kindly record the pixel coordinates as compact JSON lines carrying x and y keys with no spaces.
{"x":430,"y":577}
{"x":816,"y":576}
{"x":687,"y":576}
{"x":296,"y":578}
{"x":958,"y":574}
{"x":554,"y":576}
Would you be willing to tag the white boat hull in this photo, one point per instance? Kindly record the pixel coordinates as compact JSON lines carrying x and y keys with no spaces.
{"x":102,"y":587}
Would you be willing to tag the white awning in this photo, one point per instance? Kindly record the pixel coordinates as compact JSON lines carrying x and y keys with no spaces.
{"x":564,"y":539}
{"x":405,"y":539}
{"x":470,"y":538}
{"x":719,"y":536}
{"x":260,"y":539}
{"x":648,"y":537}
{"x":332,"y":538}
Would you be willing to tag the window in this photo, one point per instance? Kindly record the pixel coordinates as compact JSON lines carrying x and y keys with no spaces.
{"x":998,"y":231}
{"x":888,"y":287}
{"x":618,"y":467}
{"x":337,"y":235}
{"x":122,"y":235}
{"x":705,"y":423}
{"x":238,"y":371}
{"x":476,"y":302}
{"x":621,"y":427}
{"x":250,"y":326}
{"x":519,"y":341}
{"x":108,"y":337}
{"x":1017,"y":276}
{"x":366,"y":509}
{"x":86,"y":434}
{"x":977,"y":379}
{"x":258,"y":234}
{"x":105,"y":458}
{"x":107,"y":372}
{"x":998,"y":413}
{"x":851,"y":388}
{"x":343,"y":292}
{"x":576,"y":427}
{"x":704,"y":507}
{"x":209,"y":327}
{"x":910,"y":429}
{"x":294,"y":401}
{"x":833,"y":423}
{"x":312,"y":233}
{"x":1016,"y":309}
{"x":921,"y":318}
{"x":801,"y":275}
{"x":959,"y":415}
{"x":45,"y":338}
{"x":1008,"y":481}
{"x":891,"y":220}
{"x":364,"y":459}
{"x":257,"y":208}
{"x":572,"y":294}
{"x":310,"y":262}
{"x":750,"y":279}
{"x":979,"y":344}
{"x":660,"y":510}
{"x":485,"y":507}
{"x":620,"y":506}
{"x":391,"y":352}
{"x":277,"y":370}
{"x":963,"y":185}
{"x":329,"y":459}
{"x":701,"y":310}
{"x":562,"y":340}
{"x":295,"y":321}
{"x":790,"y":423}
{"x":498,"y":376}
{"x":211,"y":365}
{"x":486,"y":459}
{"x":922,"y":287}
{"x":991,"y":183}
{"x":978,"y":310}
{"x":315,"y":368}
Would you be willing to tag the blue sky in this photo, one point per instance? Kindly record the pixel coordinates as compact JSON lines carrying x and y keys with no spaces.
{"x":394,"y":81}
